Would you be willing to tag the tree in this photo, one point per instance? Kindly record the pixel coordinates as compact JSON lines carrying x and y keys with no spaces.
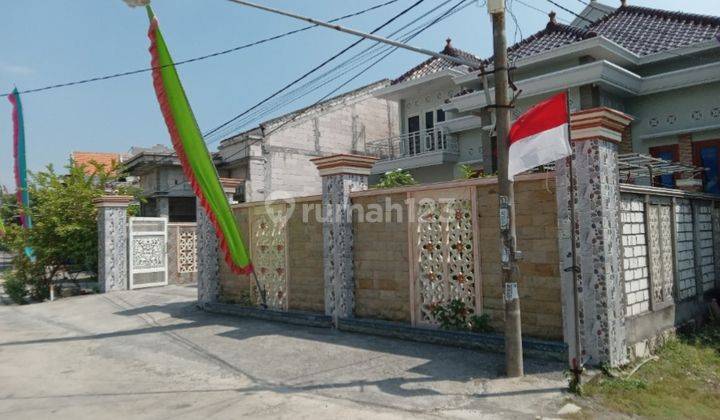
{"x":64,"y":236}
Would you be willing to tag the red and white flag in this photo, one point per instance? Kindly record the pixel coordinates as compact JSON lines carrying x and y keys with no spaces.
{"x":540,"y":136}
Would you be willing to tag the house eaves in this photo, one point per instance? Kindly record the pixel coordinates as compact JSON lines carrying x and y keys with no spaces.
{"x":146,"y":160}
{"x":693,"y":76}
{"x":600,"y":48}
{"x":615,"y":78}
{"x":397,"y":91}
{"x":602,"y":72}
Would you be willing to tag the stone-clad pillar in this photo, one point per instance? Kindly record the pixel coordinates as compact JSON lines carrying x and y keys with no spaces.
{"x":112,"y":242}
{"x":341,"y":175}
{"x":208,"y":254}
{"x":596,"y":134}
{"x":208,"y":259}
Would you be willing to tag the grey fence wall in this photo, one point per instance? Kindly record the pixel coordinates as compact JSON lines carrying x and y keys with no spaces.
{"x":670,"y":254}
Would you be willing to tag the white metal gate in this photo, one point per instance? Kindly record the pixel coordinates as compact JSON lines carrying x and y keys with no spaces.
{"x":148,"y":252}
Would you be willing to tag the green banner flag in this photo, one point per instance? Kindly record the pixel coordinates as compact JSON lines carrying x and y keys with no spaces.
{"x":193,"y":152}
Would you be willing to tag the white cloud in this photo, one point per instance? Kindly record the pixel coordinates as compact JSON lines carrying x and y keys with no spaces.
{"x":16,"y":69}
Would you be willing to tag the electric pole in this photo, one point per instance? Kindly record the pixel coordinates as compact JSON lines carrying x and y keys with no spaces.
{"x":506,"y":194}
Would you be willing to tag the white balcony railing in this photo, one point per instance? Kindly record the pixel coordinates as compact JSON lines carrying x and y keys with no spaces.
{"x":412,"y":144}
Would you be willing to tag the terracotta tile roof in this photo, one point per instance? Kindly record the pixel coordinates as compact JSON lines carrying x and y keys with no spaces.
{"x":647,"y":31}
{"x":434,"y":64}
{"x":87,"y":158}
{"x":555,"y":35}
{"x":641,"y":30}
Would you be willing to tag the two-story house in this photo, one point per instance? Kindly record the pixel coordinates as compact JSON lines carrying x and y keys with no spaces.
{"x":661,"y":67}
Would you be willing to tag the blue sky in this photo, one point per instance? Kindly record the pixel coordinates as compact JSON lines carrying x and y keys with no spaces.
{"x":47,"y":42}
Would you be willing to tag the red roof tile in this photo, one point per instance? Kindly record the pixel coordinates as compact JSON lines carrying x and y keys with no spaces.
{"x":88,"y":158}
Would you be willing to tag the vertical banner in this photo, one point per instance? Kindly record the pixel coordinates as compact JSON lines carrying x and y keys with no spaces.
{"x":192,"y":151}
{"x":21,"y":189}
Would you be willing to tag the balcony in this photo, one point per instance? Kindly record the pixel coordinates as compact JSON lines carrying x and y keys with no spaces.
{"x":414,"y":150}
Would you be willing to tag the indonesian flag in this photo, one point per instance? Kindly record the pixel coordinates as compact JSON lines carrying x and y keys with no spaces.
{"x":540,"y":136}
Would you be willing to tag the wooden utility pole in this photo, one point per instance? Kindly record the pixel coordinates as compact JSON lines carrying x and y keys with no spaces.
{"x":506,"y":195}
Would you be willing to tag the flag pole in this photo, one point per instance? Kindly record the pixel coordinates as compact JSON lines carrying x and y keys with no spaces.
{"x":576,"y":365}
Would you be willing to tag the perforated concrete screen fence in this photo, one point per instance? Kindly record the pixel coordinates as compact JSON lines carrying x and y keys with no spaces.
{"x":444,"y":244}
{"x":268,"y":247}
{"x":148,"y":252}
{"x":668,"y":249}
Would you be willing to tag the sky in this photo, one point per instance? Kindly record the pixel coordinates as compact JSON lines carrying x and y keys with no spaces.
{"x":53,"y":41}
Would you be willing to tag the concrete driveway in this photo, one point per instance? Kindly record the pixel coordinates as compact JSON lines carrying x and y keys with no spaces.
{"x":152,"y":354}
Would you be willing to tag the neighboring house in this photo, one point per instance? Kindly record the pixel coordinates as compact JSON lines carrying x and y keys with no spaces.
{"x":273,"y":159}
{"x":108,"y":160}
{"x":661,"y":67}
{"x":166,"y":191}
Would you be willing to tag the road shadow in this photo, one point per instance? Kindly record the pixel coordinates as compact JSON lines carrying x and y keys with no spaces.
{"x":325,"y":359}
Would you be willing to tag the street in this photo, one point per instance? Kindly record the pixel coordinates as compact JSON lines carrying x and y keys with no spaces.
{"x":152,"y":354}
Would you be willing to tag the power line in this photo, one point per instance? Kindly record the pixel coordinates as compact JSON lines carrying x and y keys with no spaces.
{"x":446,"y":14}
{"x":199,"y":58}
{"x":409,"y":35}
{"x":319,"y":81}
{"x":314,"y":69}
{"x":537,"y":9}
{"x":569,"y":11}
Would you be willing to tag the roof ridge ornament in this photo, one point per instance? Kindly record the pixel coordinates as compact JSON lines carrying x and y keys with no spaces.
{"x":553,"y":17}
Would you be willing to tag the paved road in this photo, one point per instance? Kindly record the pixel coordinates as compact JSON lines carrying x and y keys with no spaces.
{"x":152,"y":354}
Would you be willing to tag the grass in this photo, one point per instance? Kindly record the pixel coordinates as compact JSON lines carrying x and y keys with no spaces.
{"x":683,"y":383}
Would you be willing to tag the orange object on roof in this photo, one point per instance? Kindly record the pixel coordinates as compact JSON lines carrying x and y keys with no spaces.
{"x":88,"y":158}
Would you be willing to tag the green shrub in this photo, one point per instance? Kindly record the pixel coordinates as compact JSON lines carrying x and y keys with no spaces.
{"x":480,"y":323}
{"x":16,"y":289}
{"x":468,"y":172}
{"x":456,"y":316}
{"x":396,"y":178}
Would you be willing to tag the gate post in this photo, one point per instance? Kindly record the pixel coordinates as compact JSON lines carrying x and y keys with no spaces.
{"x":112,"y":242}
{"x":208,"y":256}
{"x":591,"y":211}
{"x":208,"y":269}
{"x":341,"y":175}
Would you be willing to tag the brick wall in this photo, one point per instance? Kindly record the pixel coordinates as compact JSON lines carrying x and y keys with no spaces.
{"x":233,"y":286}
{"x":306,"y":287}
{"x":626,"y":145}
{"x":381,"y":256}
{"x":685,"y":152}
{"x":305,"y":262}
{"x":382,"y":288}
{"x":381,"y":260}
{"x":537,"y":238}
